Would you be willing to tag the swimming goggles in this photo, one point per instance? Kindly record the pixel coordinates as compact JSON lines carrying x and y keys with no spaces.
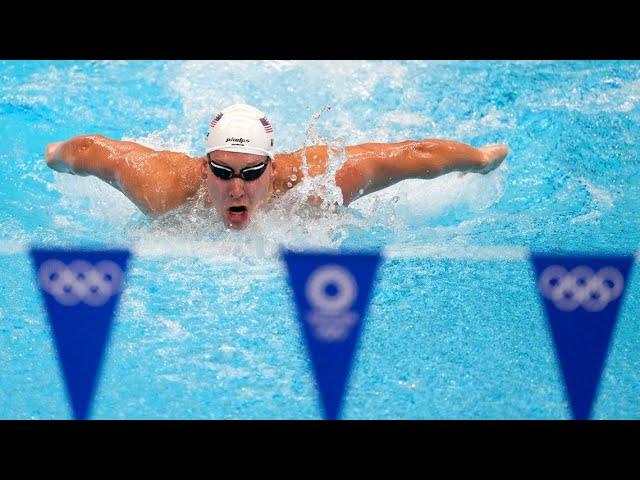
{"x":248,"y":174}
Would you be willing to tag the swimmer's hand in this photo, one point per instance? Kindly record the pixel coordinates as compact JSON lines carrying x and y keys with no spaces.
{"x":492,"y":157}
{"x":54,"y":159}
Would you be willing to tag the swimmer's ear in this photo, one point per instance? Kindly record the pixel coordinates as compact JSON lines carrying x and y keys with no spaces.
{"x":203,"y":168}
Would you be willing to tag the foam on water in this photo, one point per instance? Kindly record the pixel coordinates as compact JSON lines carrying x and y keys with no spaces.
{"x":336,"y":103}
{"x":206,"y":87}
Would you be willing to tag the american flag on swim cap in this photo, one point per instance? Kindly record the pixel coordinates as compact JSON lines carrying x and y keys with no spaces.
{"x":267,"y":126}
{"x":216,"y":119}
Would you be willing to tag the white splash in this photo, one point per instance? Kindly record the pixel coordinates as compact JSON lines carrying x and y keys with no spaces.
{"x":601,"y":200}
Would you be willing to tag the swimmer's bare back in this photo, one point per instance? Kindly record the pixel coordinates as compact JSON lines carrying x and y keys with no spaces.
{"x":160,"y":181}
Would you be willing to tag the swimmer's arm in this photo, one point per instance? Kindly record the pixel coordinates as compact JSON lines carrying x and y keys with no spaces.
{"x":373,"y":166}
{"x":155,"y":181}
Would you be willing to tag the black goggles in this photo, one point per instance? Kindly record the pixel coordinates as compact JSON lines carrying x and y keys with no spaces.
{"x":248,"y":173}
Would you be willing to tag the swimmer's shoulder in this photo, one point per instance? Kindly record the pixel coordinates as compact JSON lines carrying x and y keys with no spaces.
{"x":175,"y":178}
{"x":286,"y":173}
{"x":290,"y":167}
{"x":157,"y":181}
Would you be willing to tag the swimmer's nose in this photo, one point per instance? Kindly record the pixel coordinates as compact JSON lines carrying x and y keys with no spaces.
{"x":237,"y":189}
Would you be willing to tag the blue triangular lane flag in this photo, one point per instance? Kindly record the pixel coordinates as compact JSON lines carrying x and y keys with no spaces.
{"x":332,"y":295}
{"x":80,"y":290}
{"x":582,"y":296}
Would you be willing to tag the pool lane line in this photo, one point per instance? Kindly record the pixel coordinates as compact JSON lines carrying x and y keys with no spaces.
{"x":205,"y":249}
{"x":457,"y":253}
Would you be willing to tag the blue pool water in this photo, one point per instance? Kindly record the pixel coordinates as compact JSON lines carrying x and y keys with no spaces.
{"x":206,"y":327}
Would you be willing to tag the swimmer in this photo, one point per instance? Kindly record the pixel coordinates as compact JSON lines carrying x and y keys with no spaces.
{"x":240,"y":173}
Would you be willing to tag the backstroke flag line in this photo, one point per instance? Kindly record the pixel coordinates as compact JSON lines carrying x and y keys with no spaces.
{"x":582,"y":297}
{"x":332,"y":295}
{"x":81,"y":290}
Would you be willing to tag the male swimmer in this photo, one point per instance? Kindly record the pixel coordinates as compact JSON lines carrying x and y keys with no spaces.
{"x":241,"y":173}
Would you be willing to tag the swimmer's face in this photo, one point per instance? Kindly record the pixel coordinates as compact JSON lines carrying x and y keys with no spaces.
{"x":237,"y":199}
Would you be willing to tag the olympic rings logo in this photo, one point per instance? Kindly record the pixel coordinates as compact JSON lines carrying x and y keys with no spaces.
{"x":581,"y":287}
{"x":332,"y":319}
{"x":80,"y":281}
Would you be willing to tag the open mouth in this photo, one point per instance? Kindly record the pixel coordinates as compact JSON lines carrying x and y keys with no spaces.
{"x":237,"y":213}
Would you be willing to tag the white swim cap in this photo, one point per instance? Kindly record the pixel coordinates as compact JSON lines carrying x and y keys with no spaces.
{"x":240,"y":128}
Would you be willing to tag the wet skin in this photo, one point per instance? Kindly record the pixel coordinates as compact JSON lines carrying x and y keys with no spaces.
{"x":161,"y":181}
